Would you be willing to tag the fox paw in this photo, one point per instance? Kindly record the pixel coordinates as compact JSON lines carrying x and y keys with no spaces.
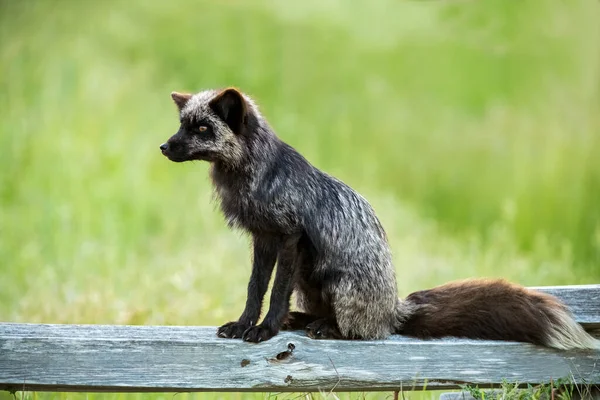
{"x":258,"y":333}
{"x":323,"y":329}
{"x":232,"y":330}
{"x":297,"y":320}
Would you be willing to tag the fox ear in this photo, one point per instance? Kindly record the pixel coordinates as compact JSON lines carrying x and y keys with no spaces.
{"x":231,"y":107}
{"x":180,"y":99}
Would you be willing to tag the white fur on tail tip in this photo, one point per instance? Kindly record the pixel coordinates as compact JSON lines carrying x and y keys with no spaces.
{"x":568,"y":334}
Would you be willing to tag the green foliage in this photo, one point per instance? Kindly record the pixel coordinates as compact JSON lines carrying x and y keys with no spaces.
{"x":560,"y":389}
{"x":472,"y":127}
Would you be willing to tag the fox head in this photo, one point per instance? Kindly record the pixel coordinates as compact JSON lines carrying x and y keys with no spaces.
{"x":212,"y":126}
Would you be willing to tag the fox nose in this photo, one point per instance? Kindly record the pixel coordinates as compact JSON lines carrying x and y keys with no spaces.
{"x":164,"y":147}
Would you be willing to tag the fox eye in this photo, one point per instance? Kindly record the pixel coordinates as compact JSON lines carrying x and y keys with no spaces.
{"x":202,"y":128}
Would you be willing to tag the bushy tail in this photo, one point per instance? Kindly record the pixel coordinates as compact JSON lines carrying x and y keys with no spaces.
{"x":493,"y":310}
{"x":567,"y":334}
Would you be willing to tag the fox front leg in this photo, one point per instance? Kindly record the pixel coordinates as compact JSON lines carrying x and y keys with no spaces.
{"x":265,"y":255}
{"x":280,"y":296}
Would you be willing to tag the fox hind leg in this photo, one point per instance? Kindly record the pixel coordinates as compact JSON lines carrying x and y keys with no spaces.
{"x":297,"y":320}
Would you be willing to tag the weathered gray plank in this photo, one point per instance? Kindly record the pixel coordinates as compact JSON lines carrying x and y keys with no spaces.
{"x":145,"y":358}
{"x":162,"y":358}
{"x":583,"y":300}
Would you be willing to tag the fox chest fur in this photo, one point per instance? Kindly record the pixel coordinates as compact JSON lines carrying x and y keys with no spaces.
{"x":252,"y":208}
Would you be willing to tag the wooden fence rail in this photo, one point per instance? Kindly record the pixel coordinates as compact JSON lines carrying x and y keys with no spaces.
{"x":92,"y":358}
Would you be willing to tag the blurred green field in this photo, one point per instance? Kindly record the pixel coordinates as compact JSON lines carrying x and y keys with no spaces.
{"x":472,"y":127}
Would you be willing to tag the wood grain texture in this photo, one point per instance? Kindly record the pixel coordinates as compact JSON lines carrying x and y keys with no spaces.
{"x":583,"y":300}
{"x":171,"y":358}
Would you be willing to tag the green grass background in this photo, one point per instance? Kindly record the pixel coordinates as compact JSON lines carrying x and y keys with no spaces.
{"x":472,"y":127}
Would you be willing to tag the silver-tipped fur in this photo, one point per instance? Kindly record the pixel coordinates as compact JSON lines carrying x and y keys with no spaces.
{"x":567,"y":334}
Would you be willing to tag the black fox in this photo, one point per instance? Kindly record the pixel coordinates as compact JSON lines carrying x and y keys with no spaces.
{"x":330,"y":248}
